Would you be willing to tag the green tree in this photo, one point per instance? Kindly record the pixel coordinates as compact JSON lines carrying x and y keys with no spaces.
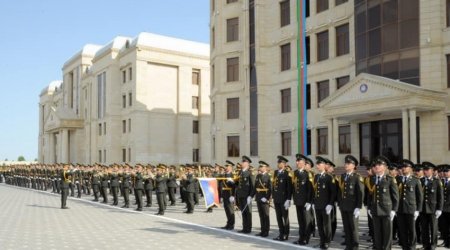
{"x":21,"y":158}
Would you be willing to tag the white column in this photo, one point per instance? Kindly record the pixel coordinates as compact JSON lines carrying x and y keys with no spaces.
{"x":405,"y":133}
{"x":335,"y":140}
{"x":413,"y":135}
{"x":330,"y":138}
{"x":65,"y":146}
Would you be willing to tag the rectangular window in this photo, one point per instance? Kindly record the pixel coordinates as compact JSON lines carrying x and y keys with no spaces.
{"x":308,"y":142}
{"x":322,"y":5}
{"x":308,"y":50}
{"x":286,"y":143}
{"x":233,"y":69}
{"x":100,"y":130}
{"x":101,"y":95}
{"x":322,"y":46}
{"x":232,"y":29}
{"x":214,"y":147}
{"x":213,"y":38}
{"x":195,"y":127}
{"x":129,"y":154}
{"x":341,"y":81}
{"x":195,"y":155}
{"x":285,"y":56}
{"x":342,"y":40}
{"x":448,"y":13}
{"x":233,"y":108}
{"x":233,"y":146}
{"x":130,"y":99}
{"x":129,"y":125}
{"x":124,"y":126}
{"x":340,"y":2}
{"x":196,"y":77}
{"x":322,"y":141}
{"x":99,"y":156}
{"x":308,"y":96}
{"x":104,"y":155}
{"x":448,"y":70}
{"x":130,"y":73}
{"x":124,"y":76}
{"x":344,"y":140}
{"x":213,"y":111}
{"x":285,"y":100}
{"x":323,"y":90}
{"x":307,"y":8}
{"x":124,"y":101}
{"x":104,"y":128}
{"x":285,"y":13}
{"x":195,"y":102}
{"x":124,"y":155}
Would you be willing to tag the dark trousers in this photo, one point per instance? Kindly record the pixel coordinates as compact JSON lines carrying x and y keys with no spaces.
{"x":333,"y":221}
{"x":419,"y":229}
{"x":246,"y":211}
{"x":105,"y":194}
{"x":190,"y":201}
{"x":324,"y":226}
{"x":382,"y":229}
{"x":264,"y":211}
{"x":53,"y":186}
{"x":72,"y":189}
{"x":407,"y":231}
{"x":446,"y":228}
{"x":115,"y":194}
{"x":161,"y":197}
{"x":148,"y":197}
{"x":282,"y":219}
{"x":429,"y":231}
{"x":229,"y":212}
{"x":196,"y":196}
{"x":126,"y":195}
{"x":351,"y":229}
{"x":64,"y":194}
{"x":304,"y":219}
{"x":78,"y":190}
{"x":172,"y":195}
{"x":138,"y":194}
{"x":370,"y":225}
{"x":95,"y":190}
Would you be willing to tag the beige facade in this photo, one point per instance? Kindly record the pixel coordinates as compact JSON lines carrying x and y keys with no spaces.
{"x":418,"y":113}
{"x":137,"y":100}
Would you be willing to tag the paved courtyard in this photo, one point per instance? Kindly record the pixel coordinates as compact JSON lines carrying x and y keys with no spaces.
{"x":33,"y":219}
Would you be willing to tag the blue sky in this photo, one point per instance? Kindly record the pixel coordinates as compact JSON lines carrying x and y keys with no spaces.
{"x":37,"y":37}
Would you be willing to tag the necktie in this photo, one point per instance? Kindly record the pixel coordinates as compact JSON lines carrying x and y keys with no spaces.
{"x":346,"y":177}
{"x":404,"y":179}
{"x":378,"y":180}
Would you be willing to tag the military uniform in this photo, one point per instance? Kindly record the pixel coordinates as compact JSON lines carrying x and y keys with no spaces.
{"x":281,"y":194}
{"x":244,"y":190}
{"x":262,"y":193}
{"x":95,"y":184}
{"x":114,"y":180}
{"x":104,"y":187}
{"x":148,"y":187}
{"x":190,"y":188}
{"x":139,"y":189}
{"x":227,"y":191}
{"x":65,"y":182}
{"x":126,"y":184}
{"x":172,"y":186}
{"x":446,"y":209}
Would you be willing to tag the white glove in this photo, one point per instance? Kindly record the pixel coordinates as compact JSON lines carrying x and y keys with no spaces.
{"x":392,"y":215}
{"x":231,"y":199}
{"x":263,"y":199}
{"x":307,"y":206}
{"x":328,"y":209}
{"x":230,"y":180}
{"x":356,"y":213}
{"x":313,"y":207}
{"x":249,"y":200}
{"x":416,"y":214}
{"x":287,"y":204}
{"x":438,"y":213}
{"x":369,"y":213}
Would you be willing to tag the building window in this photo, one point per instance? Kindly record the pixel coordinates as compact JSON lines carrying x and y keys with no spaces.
{"x":448,"y":13}
{"x":322,"y":46}
{"x":285,"y":56}
{"x":124,"y":76}
{"x":341,"y":81}
{"x":344,"y":140}
{"x":124,"y":155}
{"x":285,"y":13}
{"x":342,"y":40}
{"x":213,"y":38}
{"x":213,"y":111}
{"x":285,"y":100}
{"x":196,"y":77}
{"x":99,"y":156}
{"x":129,"y":125}
{"x":340,"y":2}
{"x":232,"y":29}
{"x":231,"y":1}
{"x":233,"y":108}
{"x":104,"y":128}
{"x":308,"y":96}
{"x":307,"y":8}
{"x":308,"y":141}
{"x":308,"y":50}
{"x":323,"y":90}
{"x":233,"y":69}
{"x":124,"y":101}
{"x":214,"y":147}
{"x":101,"y":95}
{"x":213,"y":5}
{"x":100,"y":130}
{"x":322,"y":5}
{"x":195,"y":155}
{"x":448,"y":70}
{"x":195,"y":127}
{"x":322,"y":141}
{"x":104,"y":155}
{"x":129,"y":154}
{"x":286,"y":143}
{"x":130,"y":99}
{"x":233,"y":146}
{"x":130,"y":73}
{"x":195,"y":102}
{"x":124,"y":126}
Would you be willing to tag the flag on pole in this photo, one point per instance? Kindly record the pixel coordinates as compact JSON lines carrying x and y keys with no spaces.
{"x":210,"y":191}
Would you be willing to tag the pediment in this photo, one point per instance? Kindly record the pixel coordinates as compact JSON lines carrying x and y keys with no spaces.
{"x":62,"y":117}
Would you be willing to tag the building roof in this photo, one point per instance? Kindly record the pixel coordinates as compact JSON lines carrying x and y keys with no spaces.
{"x":52,"y":87}
{"x":88,"y":50}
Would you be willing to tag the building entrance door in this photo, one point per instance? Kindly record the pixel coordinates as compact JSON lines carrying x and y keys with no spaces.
{"x":381,"y":138}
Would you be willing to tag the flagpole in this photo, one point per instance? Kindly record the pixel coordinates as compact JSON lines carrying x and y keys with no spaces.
{"x":301,"y":77}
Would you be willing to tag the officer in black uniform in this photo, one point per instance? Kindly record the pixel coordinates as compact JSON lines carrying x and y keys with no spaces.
{"x":325,"y":193}
{"x":410,"y":204}
{"x":148,"y":185}
{"x":262,"y":194}
{"x":281,"y":194}
{"x":115,"y":185}
{"x":172,"y":185}
{"x":418,"y":173}
{"x":65,"y":182}
{"x":432,"y":206}
{"x":227,"y":191}
{"x":350,"y":199}
{"x":244,"y":190}
{"x":189,"y":184}
{"x":126,"y":184}
{"x":383,"y":202}
{"x":104,"y":185}
{"x":329,"y":168}
{"x":446,"y":208}
{"x":161,"y":188}
{"x":138,"y":186}
{"x":303,"y":192}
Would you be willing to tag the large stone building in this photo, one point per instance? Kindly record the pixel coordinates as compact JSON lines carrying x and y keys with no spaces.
{"x":377,"y":79}
{"x":140,"y":100}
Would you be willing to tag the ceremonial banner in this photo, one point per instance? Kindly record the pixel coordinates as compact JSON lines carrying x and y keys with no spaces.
{"x":210,"y":191}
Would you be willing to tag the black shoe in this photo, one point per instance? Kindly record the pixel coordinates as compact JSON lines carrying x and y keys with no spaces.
{"x":297,"y":242}
{"x":125,"y":206}
{"x":95,"y":200}
{"x":148,"y":205}
{"x":189,"y":212}
{"x":244,"y":231}
{"x":172,"y":204}
{"x":259,"y":234}
{"x":264,"y":235}
{"x":138,"y":209}
{"x":225,"y":227}
{"x":343,"y":243}
{"x":324,"y":246}
{"x":279,"y":238}
{"x":65,"y":208}
{"x":286,"y":237}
